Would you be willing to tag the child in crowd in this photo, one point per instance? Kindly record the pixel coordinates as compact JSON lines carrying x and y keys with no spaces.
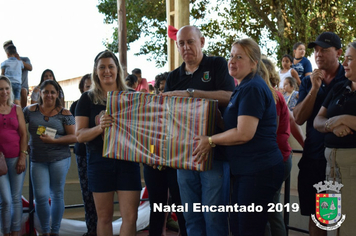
{"x":131,"y":81}
{"x":291,"y":93}
{"x":287,"y":71}
{"x":12,"y":69}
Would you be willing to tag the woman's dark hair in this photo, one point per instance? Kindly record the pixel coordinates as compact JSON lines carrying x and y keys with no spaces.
{"x":61,"y":93}
{"x":56,"y":87}
{"x":82,"y":81}
{"x":296,"y":45}
{"x":289,"y":57}
{"x":131,"y":80}
{"x":43,"y":74}
{"x":158,"y":79}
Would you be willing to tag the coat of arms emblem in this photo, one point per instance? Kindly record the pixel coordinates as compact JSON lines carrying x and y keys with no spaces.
{"x":328,"y":206}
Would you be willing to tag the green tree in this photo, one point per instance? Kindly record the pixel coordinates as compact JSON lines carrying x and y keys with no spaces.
{"x":284,"y":22}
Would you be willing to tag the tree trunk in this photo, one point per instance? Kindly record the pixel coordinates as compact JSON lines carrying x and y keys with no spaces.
{"x":122,"y":35}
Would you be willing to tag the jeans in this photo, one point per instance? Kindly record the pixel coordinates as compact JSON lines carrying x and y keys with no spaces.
{"x":276,"y":226}
{"x":255,"y":189}
{"x":48,"y":180}
{"x":11,"y":197}
{"x":208,"y":188}
{"x":16,"y":90}
{"x":157,"y":183}
{"x":89,"y":205}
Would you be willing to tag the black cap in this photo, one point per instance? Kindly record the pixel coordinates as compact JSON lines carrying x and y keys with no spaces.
{"x":326,"y":40}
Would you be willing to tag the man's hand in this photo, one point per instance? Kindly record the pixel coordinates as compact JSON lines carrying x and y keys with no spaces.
{"x":177,"y":93}
{"x":316,"y":78}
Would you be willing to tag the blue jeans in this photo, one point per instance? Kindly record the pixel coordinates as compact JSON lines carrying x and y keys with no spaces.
{"x":11,"y":197}
{"x":48,"y":180}
{"x":16,"y":90}
{"x":208,"y":188}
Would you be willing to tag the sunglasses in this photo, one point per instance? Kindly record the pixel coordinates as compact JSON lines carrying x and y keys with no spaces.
{"x":346,"y":95}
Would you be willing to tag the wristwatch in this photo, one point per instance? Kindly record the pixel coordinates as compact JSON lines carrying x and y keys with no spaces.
{"x":191,"y":92}
{"x":25,"y":152}
{"x":211,"y":142}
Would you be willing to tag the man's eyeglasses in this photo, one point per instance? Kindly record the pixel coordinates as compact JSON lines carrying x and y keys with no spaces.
{"x":346,"y":95}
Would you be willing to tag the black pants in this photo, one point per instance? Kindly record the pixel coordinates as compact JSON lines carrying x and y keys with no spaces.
{"x":157,"y":183}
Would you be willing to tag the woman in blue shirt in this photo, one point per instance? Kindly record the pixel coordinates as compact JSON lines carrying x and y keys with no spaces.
{"x":250,"y":140}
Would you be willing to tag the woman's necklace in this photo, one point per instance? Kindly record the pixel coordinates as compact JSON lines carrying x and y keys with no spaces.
{"x":46,"y":117}
{"x":297,"y":59}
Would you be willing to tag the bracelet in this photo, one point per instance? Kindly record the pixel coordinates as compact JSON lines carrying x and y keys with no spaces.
{"x":327,"y":126}
{"x":211,"y":142}
{"x":25,"y":152}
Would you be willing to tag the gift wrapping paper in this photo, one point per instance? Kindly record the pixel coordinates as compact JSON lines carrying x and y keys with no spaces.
{"x":158,"y":130}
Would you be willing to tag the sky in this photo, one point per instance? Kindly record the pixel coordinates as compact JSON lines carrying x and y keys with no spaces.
{"x":64,"y":36}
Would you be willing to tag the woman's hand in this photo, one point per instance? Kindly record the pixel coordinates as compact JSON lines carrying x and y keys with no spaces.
{"x":105,"y":121}
{"x":47,"y":139}
{"x":21,"y":163}
{"x":342,"y":131}
{"x":202,"y":150}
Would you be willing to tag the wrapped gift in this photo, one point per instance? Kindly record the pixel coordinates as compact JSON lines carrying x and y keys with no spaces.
{"x":158,"y":130}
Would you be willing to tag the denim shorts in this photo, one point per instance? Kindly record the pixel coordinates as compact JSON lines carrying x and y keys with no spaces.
{"x":106,"y":175}
{"x":16,"y":90}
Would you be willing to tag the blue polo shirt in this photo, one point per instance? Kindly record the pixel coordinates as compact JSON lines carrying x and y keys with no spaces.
{"x":314,"y":142}
{"x":252,"y":97}
{"x":211,"y":75}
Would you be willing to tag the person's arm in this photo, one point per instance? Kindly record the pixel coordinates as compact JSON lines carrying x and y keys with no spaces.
{"x":341,"y":125}
{"x":320,"y":121}
{"x":35,"y":96}
{"x":27,"y":66}
{"x":222,"y":96}
{"x":69,"y":138}
{"x":2,"y":71}
{"x":244,"y":132}
{"x":21,"y":163}
{"x":295,"y":75}
{"x":86,"y":134}
{"x":304,"y":109}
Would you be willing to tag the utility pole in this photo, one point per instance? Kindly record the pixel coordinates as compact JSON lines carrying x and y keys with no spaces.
{"x":122,"y":34}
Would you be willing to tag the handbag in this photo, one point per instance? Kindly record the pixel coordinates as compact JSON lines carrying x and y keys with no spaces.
{"x":3,"y":165}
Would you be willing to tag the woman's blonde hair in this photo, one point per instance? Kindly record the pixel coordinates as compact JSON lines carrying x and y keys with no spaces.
{"x":96,"y":92}
{"x":253,"y":51}
{"x":11,"y":98}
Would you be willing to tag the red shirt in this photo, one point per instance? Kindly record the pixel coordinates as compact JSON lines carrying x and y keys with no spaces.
{"x":142,"y":85}
{"x":283,"y":130}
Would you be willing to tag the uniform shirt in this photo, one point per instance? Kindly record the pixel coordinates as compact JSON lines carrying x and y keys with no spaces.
{"x":211,"y":75}
{"x":253,"y":98}
{"x":313,"y":144}
{"x":340,"y":101}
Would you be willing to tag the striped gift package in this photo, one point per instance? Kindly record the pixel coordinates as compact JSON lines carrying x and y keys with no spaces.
{"x":158,"y":130}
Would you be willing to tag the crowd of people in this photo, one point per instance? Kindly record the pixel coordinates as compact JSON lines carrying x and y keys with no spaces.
{"x":258,"y":110}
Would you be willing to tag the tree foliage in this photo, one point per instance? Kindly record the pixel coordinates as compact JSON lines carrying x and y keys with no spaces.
{"x":223,"y":21}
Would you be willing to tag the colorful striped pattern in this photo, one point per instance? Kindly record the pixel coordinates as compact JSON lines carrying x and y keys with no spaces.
{"x":158,"y":130}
